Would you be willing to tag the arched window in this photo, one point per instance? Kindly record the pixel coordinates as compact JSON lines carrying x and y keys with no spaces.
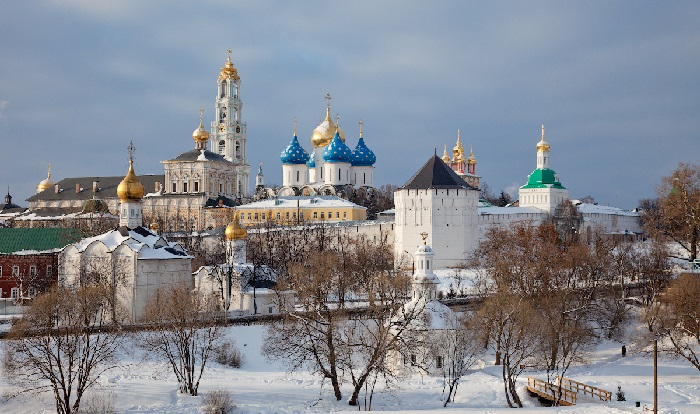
{"x":223,"y":89}
{"x":238,"y":149}
{"x":222,"y":146}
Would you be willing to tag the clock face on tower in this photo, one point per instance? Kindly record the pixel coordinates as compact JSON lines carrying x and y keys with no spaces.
{"x":222,"y":128}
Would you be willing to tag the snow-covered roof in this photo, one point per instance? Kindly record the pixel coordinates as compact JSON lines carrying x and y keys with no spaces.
{"x":588,"y":208}
{"x":291,"y":202}
{"x":434,"y":315}
{"x":510,"y":210}
{"x":148,"y":245}
{"x":33,"y":216}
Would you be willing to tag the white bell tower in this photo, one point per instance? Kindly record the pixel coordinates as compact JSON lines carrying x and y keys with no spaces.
{"x":228,"y":131}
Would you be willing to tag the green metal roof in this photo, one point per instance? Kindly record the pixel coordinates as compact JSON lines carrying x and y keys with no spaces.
{"x":17,"y":239}
{"x":543,"y":178}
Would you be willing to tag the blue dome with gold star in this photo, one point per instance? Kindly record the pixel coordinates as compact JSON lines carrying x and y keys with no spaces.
{"x":337,"y":151}
{"x":294,"y":153}
{"x":362,"y":156}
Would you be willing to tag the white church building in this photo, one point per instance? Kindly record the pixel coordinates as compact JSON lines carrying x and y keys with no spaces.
{"x":134,"y":260}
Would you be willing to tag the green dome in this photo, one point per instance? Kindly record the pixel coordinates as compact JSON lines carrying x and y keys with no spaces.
{"x":543,"y":178}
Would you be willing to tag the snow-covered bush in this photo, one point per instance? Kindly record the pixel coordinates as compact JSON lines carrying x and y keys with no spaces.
{"x":218,"y":402}
{"x":228,"y":354}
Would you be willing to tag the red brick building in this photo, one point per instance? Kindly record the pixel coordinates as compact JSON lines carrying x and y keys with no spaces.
{"x":29,"y":259}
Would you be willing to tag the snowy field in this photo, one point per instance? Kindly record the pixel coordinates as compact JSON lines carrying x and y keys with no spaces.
{"x":259,"y":387}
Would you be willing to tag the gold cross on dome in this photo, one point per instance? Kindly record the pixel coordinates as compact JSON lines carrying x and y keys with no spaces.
{"x":295,"y":125}
{"x":201,"y":111}
{"x":360,"y":128}
{"x":424,"y":235}
{"x":131,"y":149}
{"x":229,"y":54}
{"x":328,"y":99}
{"x":337,"y":120}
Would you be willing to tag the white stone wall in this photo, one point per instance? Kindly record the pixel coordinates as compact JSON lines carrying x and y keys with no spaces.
{"x":336,"y":173}
{"x":448,"y":216}
{"x":294,"y":175}
{"x":362,"y":176}
{"x":546,"y":199}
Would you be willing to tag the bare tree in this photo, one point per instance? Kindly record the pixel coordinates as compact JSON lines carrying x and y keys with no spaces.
{"x":185,"y":329}
{"x":508,"y":320}
{"x":62,"y":343}
{"x":679,"y":321}
{"x":678,"y":212}
{"x":461,"y":347}
{"x":310,"y":338}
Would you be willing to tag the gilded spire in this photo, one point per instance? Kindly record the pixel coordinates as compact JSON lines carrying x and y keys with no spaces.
{"x":472,"y":158}
{"x":130,"y":189}
{"x":543,"y":145}
{"x":458,"y":150}
{"x":45,"y":183}
{"x":360,"y":128}
{"x":235,"y":230}
{"x":229,"y":71}
{"x":445,"y":156}
{"x":200,"y":135}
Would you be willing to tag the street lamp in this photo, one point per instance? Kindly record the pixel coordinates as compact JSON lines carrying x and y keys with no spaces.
{"x":413,"y":262}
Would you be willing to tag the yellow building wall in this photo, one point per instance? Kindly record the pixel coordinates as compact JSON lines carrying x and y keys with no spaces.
{"x":252,"y":216}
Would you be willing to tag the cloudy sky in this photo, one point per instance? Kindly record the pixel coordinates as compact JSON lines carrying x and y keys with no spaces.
{"x":616,"y":84}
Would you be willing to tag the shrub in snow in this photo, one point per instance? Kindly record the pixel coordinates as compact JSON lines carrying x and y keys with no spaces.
{"x":98,"y":404}
{"x":228,"y":354}
{"x":218,"y":402}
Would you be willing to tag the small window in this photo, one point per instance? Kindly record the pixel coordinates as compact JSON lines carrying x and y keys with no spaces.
{"x":32,"y":270}
{"x":345,"y":215}
{"x":249,"y":216}
{"x":287,"y":215}
{"x":279,"y":216}
{"x":337,"y":214}
{"x":413,"y":358}
{"x":263,"y":216}
{"x":438,"y":361}
{"x":196,"y":186}
{"x":256,"y":216}
{"x":14,"y":293}
{"x":315,"y":214}
{"x":49,"y":270}
{"x":15,"y":270}
{"x":221,"y":188}
{"x":301,"y":215}
{"x":270,"y":309}
{"x":294,"y":215}
{"x":32,"y":292}
{"x":184,"y":187}
{"x":222,"y":146}
{"x":323,"y":216}
{"x":0,"y":271}
{"x":174,"y":187}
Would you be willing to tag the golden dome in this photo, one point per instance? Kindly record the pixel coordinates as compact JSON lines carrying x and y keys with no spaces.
{"x":229,"y":71}
{"x":130,"y":189}
{"x":45,"y":183}
{"x":200,"y":135}
{"x":543,"y":145}
{"x":235,"y":231}
{"x":325,"y":131}
{"x":154,"y":226}
{"x":445,"y":156}
{"x":472,"y":158}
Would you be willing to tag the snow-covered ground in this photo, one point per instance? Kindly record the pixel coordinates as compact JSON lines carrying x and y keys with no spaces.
{"x":260,"y":387}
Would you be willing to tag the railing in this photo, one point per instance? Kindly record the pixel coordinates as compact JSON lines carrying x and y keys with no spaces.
{"x":551,"y":391}
{"x":584,"y":389}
